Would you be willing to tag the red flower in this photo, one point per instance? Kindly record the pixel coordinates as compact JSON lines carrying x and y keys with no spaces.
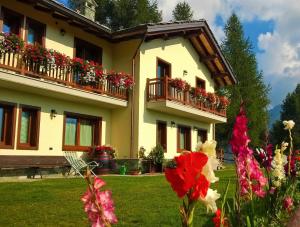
{"x":217,"y":218}
{"x":187,"y":177}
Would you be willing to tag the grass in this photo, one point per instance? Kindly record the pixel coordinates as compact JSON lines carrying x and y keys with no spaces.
{"x":140,"y":201}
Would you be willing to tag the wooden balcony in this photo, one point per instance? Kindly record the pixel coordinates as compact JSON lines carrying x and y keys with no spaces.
{"x":59,"y":75}
{"x":163,"y":97}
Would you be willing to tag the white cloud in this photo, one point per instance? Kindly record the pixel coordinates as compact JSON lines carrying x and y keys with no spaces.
{"x":280,"y":56}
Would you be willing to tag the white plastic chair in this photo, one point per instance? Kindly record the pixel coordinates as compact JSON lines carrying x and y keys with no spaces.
{"x":78,"y":164}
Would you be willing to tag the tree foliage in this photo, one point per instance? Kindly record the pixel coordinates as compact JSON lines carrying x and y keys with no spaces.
{"x":250,"y":89}
{"x":119,"y":14}
{"x":290,"y":110}
{"x":182,"y":11}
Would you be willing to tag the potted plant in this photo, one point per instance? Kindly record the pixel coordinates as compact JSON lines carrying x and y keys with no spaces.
{"x":105,"y":155}
{"x":156,"y":158}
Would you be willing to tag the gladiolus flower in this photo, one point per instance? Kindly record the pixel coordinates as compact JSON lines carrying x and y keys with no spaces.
{"x":209,"y":149}
{"x":210,"y":200}
{"x":288,"y":203}
{"x":288,"y":125}
{"x":98,"y":204}
{"x":251,"y":177}
{"x":187,"y":176}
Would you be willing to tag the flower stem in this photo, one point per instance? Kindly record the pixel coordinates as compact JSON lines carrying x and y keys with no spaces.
{"x":290,"y":153}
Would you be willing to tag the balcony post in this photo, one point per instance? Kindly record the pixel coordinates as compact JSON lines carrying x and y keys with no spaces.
{"x":166,"y":87}
{"x":147,"y":89}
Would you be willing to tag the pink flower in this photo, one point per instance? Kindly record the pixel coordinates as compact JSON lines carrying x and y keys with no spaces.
{"x":251,"y":178}
{"x":288,"y":203}
{"x":98,"y":204}
{"x":98,"y":183}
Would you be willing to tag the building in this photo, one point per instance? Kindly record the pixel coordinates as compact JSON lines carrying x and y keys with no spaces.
{"x":46,"y":108}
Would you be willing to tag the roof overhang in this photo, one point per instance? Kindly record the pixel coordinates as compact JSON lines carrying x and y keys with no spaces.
{"x":200,"y":36}
{"x":197,"y":32}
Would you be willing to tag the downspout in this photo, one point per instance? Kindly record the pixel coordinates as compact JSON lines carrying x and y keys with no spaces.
{"x":132,"y":118}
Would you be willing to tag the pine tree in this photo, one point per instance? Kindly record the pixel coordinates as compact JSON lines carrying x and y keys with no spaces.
{"x":290,"y":111}
{"x":250,"y":89}
{"x":182,"y":11}
{"x":119,"y":14}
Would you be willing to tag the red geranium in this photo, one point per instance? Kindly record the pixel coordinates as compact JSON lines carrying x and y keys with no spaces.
{"x":186,"y":178}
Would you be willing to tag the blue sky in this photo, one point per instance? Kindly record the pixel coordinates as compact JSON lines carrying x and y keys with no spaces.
{"x":273,"y":28}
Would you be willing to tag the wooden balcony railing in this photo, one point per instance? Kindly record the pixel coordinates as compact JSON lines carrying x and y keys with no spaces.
{"x":162,"y":89}
{"x":62,"y":75}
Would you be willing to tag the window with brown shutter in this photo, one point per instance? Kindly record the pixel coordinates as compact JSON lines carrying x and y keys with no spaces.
{"x":183,"y":138}
{"x":28,"y":130}
{"x":201,"y":135}
{"x":200,"y":83}
{"x":35,"y":32}
{"x":87,"y":51}
{"x":7,"y":125}
{"x":11,"y":21}
{"x":81,"y":132}
{"x":161,"y":134}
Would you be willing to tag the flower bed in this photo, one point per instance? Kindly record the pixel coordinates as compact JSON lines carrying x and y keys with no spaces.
{"x":41,"y":60}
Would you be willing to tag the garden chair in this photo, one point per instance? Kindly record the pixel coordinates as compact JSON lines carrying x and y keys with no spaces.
{"x":78,"y":164}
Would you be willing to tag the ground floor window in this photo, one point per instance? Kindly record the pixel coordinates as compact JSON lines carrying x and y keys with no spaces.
{"x":81,"y":132}
{"x":7,"y":125}
{"x":201,"y":135}
{"x":183,"y":138}
{"x":28,"y":131}
{"x":162,"y":134}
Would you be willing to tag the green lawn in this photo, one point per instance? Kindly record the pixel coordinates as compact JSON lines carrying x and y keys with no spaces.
{"x":140,"y":201}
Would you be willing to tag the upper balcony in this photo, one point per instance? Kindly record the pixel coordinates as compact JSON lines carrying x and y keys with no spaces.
{"x":47,"y":72}
{"x":175,"y":98}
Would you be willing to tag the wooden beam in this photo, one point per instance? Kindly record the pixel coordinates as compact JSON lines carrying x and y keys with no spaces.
{"x":42,"y":8}
{"x":59,"y":16}
{"x":208,"y":58}
{"x":220,"y":74}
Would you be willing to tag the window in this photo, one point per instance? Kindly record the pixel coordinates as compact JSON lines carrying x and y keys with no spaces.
{"x":161,"y":134}
{"x":35,"y":32}
{"x":200,"y":83}
{"x":29,"y":123}
{"x":7,"y":125}
{"x":81,"y":132}
{"x":88,"y":51}
{"x":183,"y":138}
{"x":11,"y":21}
{"x":201,"y":135}
{"x":163,"y":68}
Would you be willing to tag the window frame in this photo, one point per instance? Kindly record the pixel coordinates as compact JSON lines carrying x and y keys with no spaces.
{"x":78,"y":40}
{"x":28,"y":146}
{"x":97,"y":122}
{"x":164,"y":123}
{"x":30,"y":20}
{"x":3,"y":145}
{"x":158,"y":61}
{"x":188,"y":138}
{"x":201,"y":81}
{"x":15,"y":14}
{"x":199,"y":131}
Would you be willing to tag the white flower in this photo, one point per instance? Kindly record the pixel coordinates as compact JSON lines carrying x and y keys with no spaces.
{"x":210,"y":200}
{"x":278,"y":173}
{"x":284,"y":146}
{"x":209,"y":148}
{"x":288,"y":125}
{"x":208,"y":170}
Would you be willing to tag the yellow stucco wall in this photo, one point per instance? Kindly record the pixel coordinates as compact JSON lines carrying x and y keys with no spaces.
{"x":51,"y":130}
{"x":118,"y":56}
{"x":122,"y":125}
{"x":54,"y":40}
{"x":182,"y":56}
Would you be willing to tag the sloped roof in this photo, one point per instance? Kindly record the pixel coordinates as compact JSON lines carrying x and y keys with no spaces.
{"x":197,"y":32}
